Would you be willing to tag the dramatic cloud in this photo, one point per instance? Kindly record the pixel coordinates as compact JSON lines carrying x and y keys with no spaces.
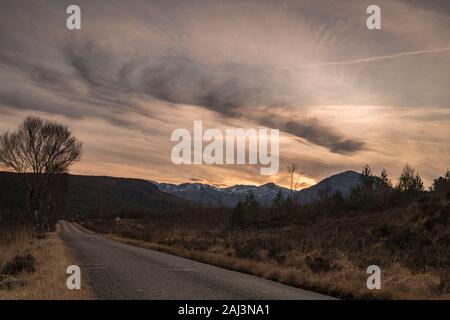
{"x":228,"y":88}
{"x":310,"y":68}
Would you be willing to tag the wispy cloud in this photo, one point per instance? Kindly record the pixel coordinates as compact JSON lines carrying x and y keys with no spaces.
{"x":367,"y":60}
{"x":139,"y":69}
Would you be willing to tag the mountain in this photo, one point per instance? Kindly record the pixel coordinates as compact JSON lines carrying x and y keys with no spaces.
{"x":204,"y":193}
{"x":211,"y":195}
{"x":93,"y":194}
{"x":342,"y":182}
{"x":198,"y":192}
{"x":88,"y":194}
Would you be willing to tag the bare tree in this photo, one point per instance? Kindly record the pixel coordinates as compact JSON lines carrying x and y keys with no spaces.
{"x":39,"y":150}
{"x":294,"y":178}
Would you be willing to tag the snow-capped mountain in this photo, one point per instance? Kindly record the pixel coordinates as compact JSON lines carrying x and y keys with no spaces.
{"x":208,"y":194}
{"x":204,"y":193}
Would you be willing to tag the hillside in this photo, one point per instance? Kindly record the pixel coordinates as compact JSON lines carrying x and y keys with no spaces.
{"x":92,"y":194}
{"x":102,"y":195}
{"x":342,"y":182}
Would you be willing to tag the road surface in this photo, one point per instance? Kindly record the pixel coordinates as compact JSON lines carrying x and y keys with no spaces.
{"x":120,"y":271}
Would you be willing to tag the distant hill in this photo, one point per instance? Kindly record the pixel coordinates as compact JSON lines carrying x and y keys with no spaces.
{"x":87,"y":194}
{"x":211,"y":195}
{"x":108,"y":195}
{"x":342,"y":182}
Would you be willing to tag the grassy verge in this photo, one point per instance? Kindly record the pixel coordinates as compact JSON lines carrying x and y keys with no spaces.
{"x":336,"y":273}
{"x":344,"y":284}
{"x":51,"y":259}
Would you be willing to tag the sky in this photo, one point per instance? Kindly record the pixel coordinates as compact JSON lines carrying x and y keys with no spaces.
{"x":340,"y":94}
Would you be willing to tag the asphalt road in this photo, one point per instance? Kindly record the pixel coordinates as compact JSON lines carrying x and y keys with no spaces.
{"x":120,"y":271}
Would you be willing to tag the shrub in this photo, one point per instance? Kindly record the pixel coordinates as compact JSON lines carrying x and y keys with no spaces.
{"x":274,"y":250}
{"x":247,"y":251}
{"x":443,"y":287}
{"x":197,"y":245}
{"x":19,"y":264}
{"x":383,"y":231}
{"x":319,"y":264}
{"x":410,"y":181}
{"x":280,"y":258}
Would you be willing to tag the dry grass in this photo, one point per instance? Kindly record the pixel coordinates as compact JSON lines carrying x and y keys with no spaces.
{"x":48,"y":282}
{"x":315,"y":248}
{"x":348,"y":284}
{"x":345,"y":279}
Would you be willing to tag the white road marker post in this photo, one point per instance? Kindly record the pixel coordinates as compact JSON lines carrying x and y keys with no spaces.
{"x":117,"y":220}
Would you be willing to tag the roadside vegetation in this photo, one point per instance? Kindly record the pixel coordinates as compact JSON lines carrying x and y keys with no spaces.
{"x":324,"y":246}
{"x":33,"y":258}
{"x":32,"y":268}
{"x":41,"y":151}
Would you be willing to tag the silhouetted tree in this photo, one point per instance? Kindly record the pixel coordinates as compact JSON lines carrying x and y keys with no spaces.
{"x":384,"y":181}
{"x":363,"y":192}
{"x":39,"y":149}
{"x":245,"y":211}
{"x":372,"y":192}
{"x":410,"y":181}
{"x":251,"y":205}
{"x":385,"y":197}
{"x":278,"y":201}
{"x":238,"y":215}
{"x":367,"y":180}
{"x":442,"y":184}
{"x":292,"y":169}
